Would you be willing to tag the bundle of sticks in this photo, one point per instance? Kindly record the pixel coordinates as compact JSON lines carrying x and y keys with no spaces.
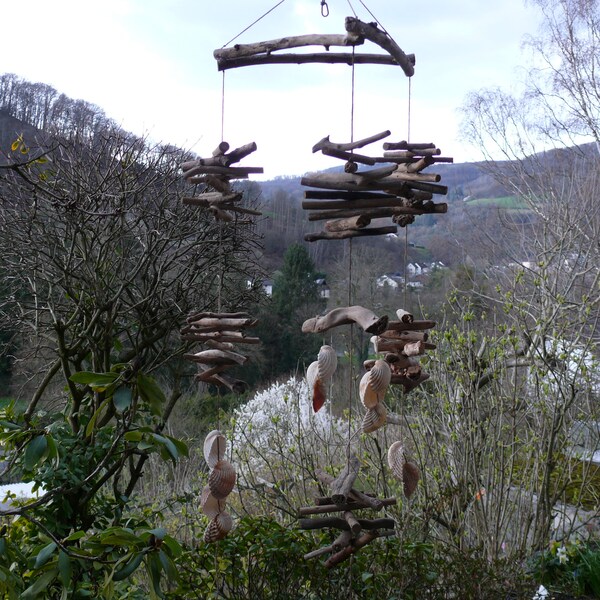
{"x":220,"y":333}
{"x":401,"y":342}
{"x":215,"y":174}
{"x":355,"y":532}
{"x":398,"y":190}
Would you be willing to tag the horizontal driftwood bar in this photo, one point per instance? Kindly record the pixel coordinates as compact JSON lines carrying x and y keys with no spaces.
{"x":213,"y":198}
{"x":342,"y":235}
{"x":213,"y":315}
{"x":330,"y":508}
{"x":231,"y":172}
{"x":217,"y":357}
{"x":341,"y":541}
{"x":350,"y":224}
{"x":339,"y":523}
{"x":206,"y":374}
{"x":374,"y":503}
{"x":350,"y":156}
{"x":411,"y":326}
{"x":367,"y":319}
{"x":222,"y":323}
{"x":236,"y":386}
{"x":409,"y":383}
{"x":362,"y":541}
{"x":404,"y":145}
{"x":370,"y":32}
{"x":375,"y":213}
{"x":347,"y":146}
{"x":234,"y":337}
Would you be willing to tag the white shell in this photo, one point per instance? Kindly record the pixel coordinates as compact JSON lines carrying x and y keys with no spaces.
{"x":210,"y":505}
{"x":327,"y":363}
{"x":312,"y":373}
{"x":218,"y":528}
{"x":396,"y":460}
{"x":367,"y":394}
{"x":375,"y":341}
{"x":374,"y":418}
{"x":222,"y":479}
{"x":214,"y":448}
{"x":380,"y":376}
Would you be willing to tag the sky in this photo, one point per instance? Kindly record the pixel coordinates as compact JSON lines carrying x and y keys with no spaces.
{"x":149,"y":65}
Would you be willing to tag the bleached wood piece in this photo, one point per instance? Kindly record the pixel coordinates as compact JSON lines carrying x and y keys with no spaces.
{"x":351,"y":224}
{"x":220,"y":345}
{"x":344,"y":235}
{"x":221,"y":149}
{"x":207,"y":373}
{"x":217,"y":357}
{"x":404,"y":316}
{"x":370,"y":501}
{"x":410,"y":326}
{"x":231,"y":172}
{"x":299,"y":41}
{"x":370,"y":32}
{"x":406,"y":176}
{"x":342,"y":484}
{"x":346,"y":147}
{"x":329,"y":508}
{"x":216,"y":315}
{"x":236,"y":386}
{"x":374,"y":213}
{"x":354,"y":182}
{"x":341,"y":541}
{"x":222,"y":323}
{"x":368,"y":320}
{"x":234,"y":337}
{"x":386,"y":201}
{"x":350,"y":156}
{"x":212,"y":198}
{"x":412,"y":154}
{"x":404,"y":145}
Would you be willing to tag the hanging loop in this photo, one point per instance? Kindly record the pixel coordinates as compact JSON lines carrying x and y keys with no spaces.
{"x":324,"y":9}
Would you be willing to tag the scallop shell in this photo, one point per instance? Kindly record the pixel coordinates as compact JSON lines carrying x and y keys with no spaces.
{"x":380,"y":377}
{"x":210,"y":505}
{"x":368,"y":396}
{"x":374,"y":418}
{"x":214,"y":448}
{"x":410,"y":478}
{"x":222,"y":479}
{"x":312,"y":373}
{"x":218,"y":528}
{"x":397,"y":460}
{"x":327,"y":362}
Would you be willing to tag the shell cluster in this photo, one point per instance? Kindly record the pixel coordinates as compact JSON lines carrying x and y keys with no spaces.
{"x":221,"y":481}
{"x":372,"y":388}
{"x":319,"y":375}
{"x":402,"y":469}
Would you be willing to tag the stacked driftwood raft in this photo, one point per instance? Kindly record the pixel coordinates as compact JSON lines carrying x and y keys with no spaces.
{"x":399,"y":190}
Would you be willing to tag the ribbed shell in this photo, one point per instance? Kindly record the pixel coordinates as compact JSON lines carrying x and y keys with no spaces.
{"x":397,"y":460}
{"x":214,"y":448}
{"x":410,"y":478}
{"x":368,"y":396}
{"x":210,"y":505}
{"x":374,"y":418}
{"x":312,"y":373}
{"x":327,"y":363}
{"x":221,"y":479}
{"x":380,"y":376}
{"x":218,"y":528}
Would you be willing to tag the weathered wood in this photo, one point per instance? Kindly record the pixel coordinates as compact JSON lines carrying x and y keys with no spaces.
{"x":370,"y":501}
{"x":218,"y":183}
{"x":231,"y":172}
{"x":343,"y":235}
{"x":286,"y":43}
{"x":404,"y":316}
{"x":342,"y":484}
{"x":221,"y":323}
{"x":220,"y":345}
{"x":329,"y":508}
{"x":414,"y":348}
{"x":217,"y":357}
{"x":361,"y":542}
{"x":351,"y":224}
{"x":341,"y":541}
{"x":354,"y":182}
{"x":397,"y":360}
{"x":424,"y":186}
{"x":370,"y":32}
{"x":417,"y":167}
{"x":234,"y":337}
{"x":368,"y":320}
{"x":350,"y":156}
{"x":339,"y":523}
{"x":384,"y":202}
{"x":329,"y":195}
{"x":412,"y":154}
{"x":220,"y":215}
{"x":374,"y":213}
{"x":353,"y":523}
{"x":408,"y":383}
{"x":410,"y":177}
{"x":220,"y":149}
{"x":236,"y":386}
{"x":404,"y":145}
{"x":346,"y":147}
{"x":208,"y":198}
{"x":216,"y":315}
{"x":410,"y":326}
{"x":300,"y":59}
{"x":208,"y":373}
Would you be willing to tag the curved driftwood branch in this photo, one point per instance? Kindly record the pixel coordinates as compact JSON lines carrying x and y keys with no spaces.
{"x":339,"y":523}
{"x":329,"y":508}
{"x":350,"y":224}
{"x":362,"y":541}
{"x":368,"y":320}
{"x":346,"y":147}
{"x":342,"y":235}
{"x":370,"y":32}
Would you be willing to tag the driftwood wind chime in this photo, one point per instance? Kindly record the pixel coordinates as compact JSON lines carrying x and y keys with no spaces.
{"x":348,"y":202}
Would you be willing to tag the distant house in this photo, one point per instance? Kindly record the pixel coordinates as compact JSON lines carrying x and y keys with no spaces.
{"x":323,"y":288}
{"x":386,"y":280}
{"x":414,"y":269}
{"x":267,"y":286}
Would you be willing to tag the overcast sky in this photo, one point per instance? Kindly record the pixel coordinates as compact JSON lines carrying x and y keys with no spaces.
{"x":149,"y":65}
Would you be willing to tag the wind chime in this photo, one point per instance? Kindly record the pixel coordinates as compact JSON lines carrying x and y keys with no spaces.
{"x":348,"y":202}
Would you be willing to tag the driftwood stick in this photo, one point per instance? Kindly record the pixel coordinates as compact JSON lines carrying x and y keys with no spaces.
{"x":412,"y":154}
{"x":350,"y":156}
{"x":330,"y":507}
{"x":339,"y":523}
{"x":350,"y":224}
{"x":404,"y":145}
{"x":368,"y":320}
{"x":329,"y":195}
{"x":374,"y":213}
{"x":220,"y":345}
{"x":342,"y":484}
{"x":221,"y":323}
{"x":353,"y":182}
{"x":404,"y":316}
{"x":208,"y":373}
{"x":232,"y":172}
{"x":341,"y":541}
{"x":233,"y":337}
{"x":353,"y":522}
{"x":342,"y":235}
{"x":214,"y":197}
{"x":410,"y":326}
{"x":220,"y":149}
{"x":421,"y":164}
{"x":241,"y":152}
{"x":220,"y":215}
{"x":217,"y":357}
{"x":370,"y":501}
{"x":362,"y":541}
{"x":320,"y":551}
{"x":345,"y":147}
{"x":286,"y":43}
{"x":408,"y":383}
{"x":370,"y":32}
{"x":406,"y":176}
{"x":300,"y":59}
{"x":394,"y":201}
{"x":213,"y":315}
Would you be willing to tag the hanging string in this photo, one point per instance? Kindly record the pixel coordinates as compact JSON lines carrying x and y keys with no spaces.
{"x":352,"y":9}
{"x":409,"y":108}
{"x":406,"y":226}
{"x":253,"y":24}
{"x":223,"y":107}
{"x":374,"y":17}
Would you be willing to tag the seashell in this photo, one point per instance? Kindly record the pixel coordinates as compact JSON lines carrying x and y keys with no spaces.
{"x":327,"y":362}
{"x":380,"y":377}
{"x":222,"y":479}
{"x":374,"y":418}
{"x":316,"y":385}
{"x":397,"y":460}
{"x":410,"y":478}
{"x":210,"y":505}
{"x":312,"y":373}
{"x":218,"y":528}
{"x":214,"y":448}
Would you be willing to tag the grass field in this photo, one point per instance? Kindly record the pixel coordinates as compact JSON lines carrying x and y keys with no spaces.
{"x":509,"y":202}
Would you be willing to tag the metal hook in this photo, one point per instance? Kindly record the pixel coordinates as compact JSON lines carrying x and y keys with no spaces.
{"x":324,"y":9}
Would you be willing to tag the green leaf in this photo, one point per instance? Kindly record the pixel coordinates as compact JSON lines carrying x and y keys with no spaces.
{"x":120,"y":537}
{"x":168,"y":566}
{"x":44,"y":555}
{"x":173,"y":546}
{"x":129,"y":568}
{"x":159,"y":533}
{"x":65,"y":569}
{"x":133,"y":436}
{"x":154,"y":568}
{"x":151,"y":393}
{"x":122,"y":398}
{"x":9,"y":425}
{"x":181,"y":446}
{"x":38,"y":588}
{"x":52,"y":449}
{"x":168,"y":445}
{"x":34,"y":452}
{"x":97,"y":381}
{"x":90,"y":426}
{"x":76,"y":535}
